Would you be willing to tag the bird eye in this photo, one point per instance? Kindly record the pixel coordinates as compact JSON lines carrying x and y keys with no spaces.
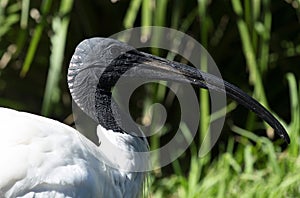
{"x":115,"y":50}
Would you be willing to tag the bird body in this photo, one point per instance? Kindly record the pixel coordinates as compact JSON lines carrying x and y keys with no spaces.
{"x":41,"y":157}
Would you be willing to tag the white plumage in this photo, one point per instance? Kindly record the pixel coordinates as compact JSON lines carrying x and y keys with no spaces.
{"x":41,"y":157}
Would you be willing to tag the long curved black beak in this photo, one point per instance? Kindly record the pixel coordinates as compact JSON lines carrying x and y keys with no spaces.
{"x":153,"y":67}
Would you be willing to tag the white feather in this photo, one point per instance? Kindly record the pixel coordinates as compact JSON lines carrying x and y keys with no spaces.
{"x":41,"y":157}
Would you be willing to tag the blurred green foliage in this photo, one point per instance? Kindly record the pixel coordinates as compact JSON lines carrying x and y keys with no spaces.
{"x":256,"y":45}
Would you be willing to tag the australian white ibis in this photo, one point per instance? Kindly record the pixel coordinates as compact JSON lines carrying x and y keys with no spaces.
{"x":41,"y":157}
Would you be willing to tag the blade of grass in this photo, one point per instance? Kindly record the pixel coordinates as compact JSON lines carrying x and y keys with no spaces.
{"x":158,"y":91}
{"x":161,"y":13}
{"x":58,"y":41}
{"x":265,"y":36}
{"x":249,"y":161}
{"x":131,"y":13}
{"x":159,"y":19}
{"x":45,"y":8}
{"x":146,"y":19}
{"x":176,"y":12}
{"x":24,"y":14}
{"x":245,"y":133}
{"x":204,"y":97}
{"x":295,"y":114}
{"x":32,"y":49}
{"x":272,"y":158}
{"x":194,"y":176}
{"x":222,"y":112}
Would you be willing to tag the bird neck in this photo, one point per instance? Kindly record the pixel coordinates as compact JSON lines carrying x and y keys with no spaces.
{"x":123,"y":151}
{"x":126,"y":160}
{"x":105,"y":114}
